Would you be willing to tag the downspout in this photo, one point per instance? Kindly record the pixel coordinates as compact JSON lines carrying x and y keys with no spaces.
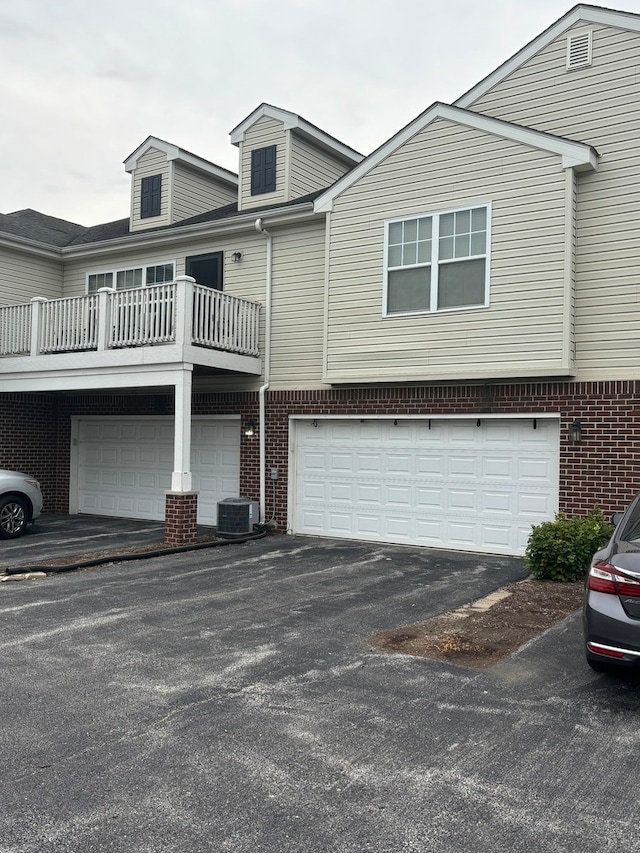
{"x":267,"y":370}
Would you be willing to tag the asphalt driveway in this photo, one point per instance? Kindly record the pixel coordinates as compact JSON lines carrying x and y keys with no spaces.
{"x":227,"y":700}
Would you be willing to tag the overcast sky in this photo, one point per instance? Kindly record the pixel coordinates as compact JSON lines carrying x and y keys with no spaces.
{"x":83,"y":83}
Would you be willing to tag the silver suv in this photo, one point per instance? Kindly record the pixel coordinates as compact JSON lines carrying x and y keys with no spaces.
{"x":20,"y":502}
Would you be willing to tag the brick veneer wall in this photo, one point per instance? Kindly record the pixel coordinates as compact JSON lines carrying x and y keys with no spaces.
{"x":28,"y":439}
{"x":603,"y":470}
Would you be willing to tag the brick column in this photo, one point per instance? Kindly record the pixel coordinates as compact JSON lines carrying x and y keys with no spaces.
{"x":180,"y":518}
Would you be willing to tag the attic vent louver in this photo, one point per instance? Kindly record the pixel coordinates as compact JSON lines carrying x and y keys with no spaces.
{"x":579,"y":50}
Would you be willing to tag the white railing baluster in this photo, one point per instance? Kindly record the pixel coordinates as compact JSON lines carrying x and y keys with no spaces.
{"x":181,"y":312}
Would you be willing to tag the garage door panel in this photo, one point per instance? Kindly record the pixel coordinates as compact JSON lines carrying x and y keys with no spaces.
{"x":125,"y":465}
{"x":431,"y":466}
{"x":454,"y":485}
{"x":428,"y":499}
{"x":461,"y":500}
{"x":494,"y":501}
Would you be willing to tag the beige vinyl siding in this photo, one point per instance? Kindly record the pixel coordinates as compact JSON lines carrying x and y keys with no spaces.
{"x":195,"y":192}
{"x":597,"y":105}
{"x":311,"y":169}
{"x":154,"y":162}
{"x":449,"y":166}
{"x":266,"y":131}
{"x":298,"y":306}
{"x":23,"y":276}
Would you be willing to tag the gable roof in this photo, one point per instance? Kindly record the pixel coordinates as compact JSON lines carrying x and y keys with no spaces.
{"x":292,"y":121}
{"x":33,"y":225}
{"x":186,"y":157}
{"x":580,"y":14}
{"x":574,"y":155}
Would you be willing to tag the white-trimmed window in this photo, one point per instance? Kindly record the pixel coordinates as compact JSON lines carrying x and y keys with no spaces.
{"x":437,"y":262}
{"x":129,"y":278}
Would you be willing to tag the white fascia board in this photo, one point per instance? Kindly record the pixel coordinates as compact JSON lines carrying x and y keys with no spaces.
{"x":578,"y":15}
{"x":232,"y":225}
{"x":291,"y":121}
{"x":179,"y":154}
{"x":577,"y":154}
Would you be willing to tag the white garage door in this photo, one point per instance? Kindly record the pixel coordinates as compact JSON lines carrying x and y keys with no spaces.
{"x":442,"y":483}
{"x":124,"y":465}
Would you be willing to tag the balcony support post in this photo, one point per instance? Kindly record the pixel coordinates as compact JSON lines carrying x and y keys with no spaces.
{"x":181,"y":503}
{"x":181,"y":480}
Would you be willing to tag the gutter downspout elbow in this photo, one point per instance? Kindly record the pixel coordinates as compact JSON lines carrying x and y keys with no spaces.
{"x":267,"y":371}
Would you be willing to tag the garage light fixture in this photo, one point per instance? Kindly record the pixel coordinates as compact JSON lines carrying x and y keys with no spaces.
{"x":314,"y":422}
{"x":250,"y":429}
{"x":236,"y":257}
{"x":575,"y":432}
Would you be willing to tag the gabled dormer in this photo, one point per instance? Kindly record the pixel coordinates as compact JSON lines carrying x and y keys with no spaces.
{"x":169,"y":184}
{"x":284,"y":157}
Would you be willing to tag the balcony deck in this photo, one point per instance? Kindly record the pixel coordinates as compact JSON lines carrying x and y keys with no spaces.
{"x":119,"y":334}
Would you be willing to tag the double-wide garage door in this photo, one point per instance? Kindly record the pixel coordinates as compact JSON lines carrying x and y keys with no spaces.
{"x":124,"y":465}
{"x":467,"y":484}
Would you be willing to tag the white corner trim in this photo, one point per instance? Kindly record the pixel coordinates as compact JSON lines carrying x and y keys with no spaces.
{"x":575,"y":155}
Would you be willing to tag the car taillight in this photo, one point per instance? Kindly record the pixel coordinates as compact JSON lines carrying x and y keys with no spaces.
{"x":603,"y":577}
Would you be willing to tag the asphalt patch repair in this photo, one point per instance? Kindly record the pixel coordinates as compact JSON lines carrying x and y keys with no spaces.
{"x":483,"y":632}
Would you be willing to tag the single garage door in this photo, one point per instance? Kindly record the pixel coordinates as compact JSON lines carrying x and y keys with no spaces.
{"x":124,"y":465}
{"x":467,"y":484}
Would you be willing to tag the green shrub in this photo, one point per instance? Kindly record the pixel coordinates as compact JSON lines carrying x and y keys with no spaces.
{"x":561,"y":550}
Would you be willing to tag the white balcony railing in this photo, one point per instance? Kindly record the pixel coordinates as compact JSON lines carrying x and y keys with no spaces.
{"x":180,"y":312}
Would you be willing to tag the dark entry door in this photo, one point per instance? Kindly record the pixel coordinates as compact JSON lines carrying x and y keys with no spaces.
{"x":206,"y":269}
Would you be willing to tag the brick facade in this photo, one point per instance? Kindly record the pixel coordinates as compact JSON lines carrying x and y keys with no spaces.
{"x":603,"y":470}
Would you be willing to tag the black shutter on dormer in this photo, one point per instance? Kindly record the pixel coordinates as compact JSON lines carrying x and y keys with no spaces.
{"x":263,"y":170}
{"x":150,"y":196}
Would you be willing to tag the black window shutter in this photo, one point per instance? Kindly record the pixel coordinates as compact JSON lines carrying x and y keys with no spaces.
{"x":263,"y":170}
{"x":150,"y":196}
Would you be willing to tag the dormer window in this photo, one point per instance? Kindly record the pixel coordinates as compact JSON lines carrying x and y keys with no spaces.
{"x":263,"y":170}
{"x":150,"y":196}
{"x":579,"y":50}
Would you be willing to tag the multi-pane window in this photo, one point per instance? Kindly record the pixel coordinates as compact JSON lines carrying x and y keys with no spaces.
{"x":437,"y":262}
{"x":129,"y":278}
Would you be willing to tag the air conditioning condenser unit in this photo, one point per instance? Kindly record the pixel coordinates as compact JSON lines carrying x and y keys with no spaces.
{"x":236,"y":516}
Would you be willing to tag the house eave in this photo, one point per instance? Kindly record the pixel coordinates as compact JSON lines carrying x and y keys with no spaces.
{"x":34,"y":247}
{"x":292,"y":121}
{"x":576,"y":155}
{"x":179,"y":234}
{"x":174,"y":152}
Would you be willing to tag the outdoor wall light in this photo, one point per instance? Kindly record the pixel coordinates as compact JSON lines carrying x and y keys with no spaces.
{"x":236,"y":257}
{"x":250,"y":429}
{"x":314,"y":422}
{"x":575,"y":432}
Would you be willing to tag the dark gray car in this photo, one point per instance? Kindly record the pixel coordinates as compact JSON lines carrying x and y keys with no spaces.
{"x":611,"y":614}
